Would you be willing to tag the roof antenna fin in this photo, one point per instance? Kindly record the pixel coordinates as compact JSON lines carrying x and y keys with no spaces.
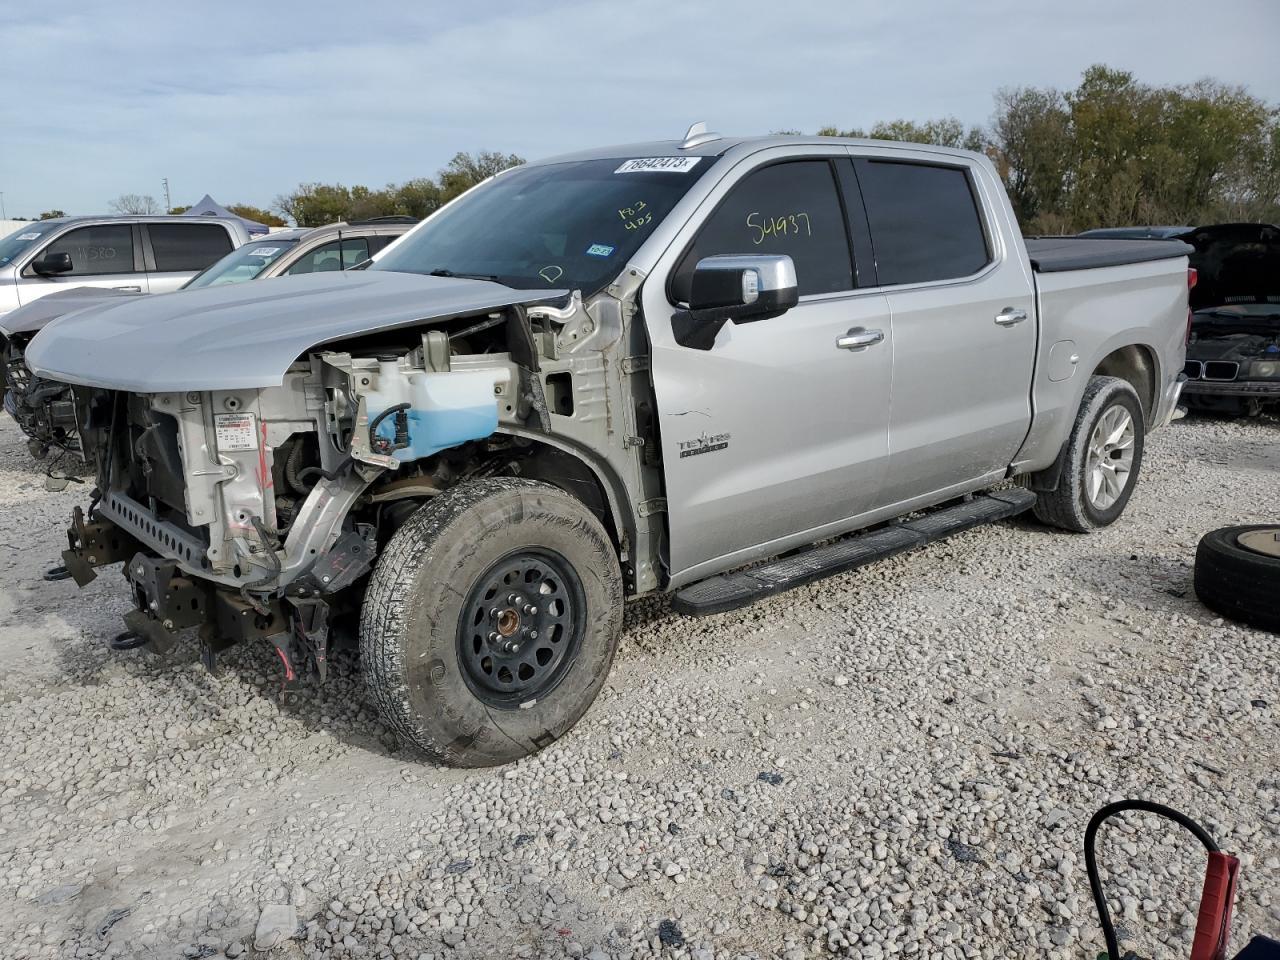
{"x":697,"y":134}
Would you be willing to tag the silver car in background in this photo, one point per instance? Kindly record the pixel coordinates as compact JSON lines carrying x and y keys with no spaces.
{"x":142,"y":254}
{"x":335,"y":246}
{"x":43,"y":408}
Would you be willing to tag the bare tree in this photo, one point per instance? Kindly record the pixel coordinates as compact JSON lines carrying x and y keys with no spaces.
{"x":134,"y":203}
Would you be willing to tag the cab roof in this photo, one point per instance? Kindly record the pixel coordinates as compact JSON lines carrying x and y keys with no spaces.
{"x":722,"y":145}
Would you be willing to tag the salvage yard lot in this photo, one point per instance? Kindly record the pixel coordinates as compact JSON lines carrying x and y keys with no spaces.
{"x":900,"y":760}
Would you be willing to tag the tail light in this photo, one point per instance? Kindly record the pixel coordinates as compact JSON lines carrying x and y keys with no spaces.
{"x":1193,"y":277}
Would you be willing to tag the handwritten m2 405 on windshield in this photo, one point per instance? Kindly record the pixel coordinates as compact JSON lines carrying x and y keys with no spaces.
{"x":788,"y":223}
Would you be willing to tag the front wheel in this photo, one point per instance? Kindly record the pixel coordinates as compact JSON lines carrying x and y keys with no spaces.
{"x":491,"y":621}
{"x":1103,"y":457}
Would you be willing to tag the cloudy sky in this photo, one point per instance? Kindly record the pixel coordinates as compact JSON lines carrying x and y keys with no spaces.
{"x":244,"y":100}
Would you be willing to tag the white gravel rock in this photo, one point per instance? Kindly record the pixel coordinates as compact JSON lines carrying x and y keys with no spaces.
{"x":897,"y":761}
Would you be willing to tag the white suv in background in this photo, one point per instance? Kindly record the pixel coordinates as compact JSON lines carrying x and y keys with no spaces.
{"x":143,"y":254}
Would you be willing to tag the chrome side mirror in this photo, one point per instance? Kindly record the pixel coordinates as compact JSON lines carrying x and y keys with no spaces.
{"x":742,"y":289}
{"x":734,"y":288}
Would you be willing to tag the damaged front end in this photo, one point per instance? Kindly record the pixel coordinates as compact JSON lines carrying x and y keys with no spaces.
{"x":225,"y":507}
{"x":258,"y":513}
{"x":43,"y":409}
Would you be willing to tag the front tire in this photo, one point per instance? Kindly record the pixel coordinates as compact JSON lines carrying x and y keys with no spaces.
{"x":1103,"y":458}
{"x":491,"y":620}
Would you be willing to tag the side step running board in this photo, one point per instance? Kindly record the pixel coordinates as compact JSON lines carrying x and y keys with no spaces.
{"x":729,"y":591}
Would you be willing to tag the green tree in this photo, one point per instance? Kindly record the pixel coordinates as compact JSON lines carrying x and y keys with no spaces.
{"x":465,"y":170}
{"x":1033,"y":152}
{"x":419,"y":198}
{"x":943,"y":132}
{"x":315,"y":204}
{"x":1115,"y":152}
{"x":51,"y":215}
{"x":250,"y":212}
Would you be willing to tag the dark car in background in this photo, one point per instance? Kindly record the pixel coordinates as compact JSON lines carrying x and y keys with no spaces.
{"x":1233,"y":354}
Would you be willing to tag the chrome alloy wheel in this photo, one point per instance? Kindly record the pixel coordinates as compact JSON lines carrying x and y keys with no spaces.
{"x":1110,"y":459}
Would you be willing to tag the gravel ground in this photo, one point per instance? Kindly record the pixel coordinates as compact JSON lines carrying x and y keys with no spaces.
{"x":900,"y":760}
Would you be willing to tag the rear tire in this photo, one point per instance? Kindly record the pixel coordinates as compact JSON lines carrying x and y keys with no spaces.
{"x":1103,"y":459}
{"x":460,"y":669}
{"x":1237,"y":582}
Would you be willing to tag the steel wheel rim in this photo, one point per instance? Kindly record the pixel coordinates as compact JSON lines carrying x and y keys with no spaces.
{"x":1265,"y":542}
{"x":521,"y":627}
{"x":1109,"y":462}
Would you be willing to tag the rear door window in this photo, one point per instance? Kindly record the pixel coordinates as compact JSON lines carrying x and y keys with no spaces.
{"x":187,"y":246}
{"x":327,"y":257}
{"x":104,"y":248}
{"x":790,"y":208}
{"x":924,"y":221}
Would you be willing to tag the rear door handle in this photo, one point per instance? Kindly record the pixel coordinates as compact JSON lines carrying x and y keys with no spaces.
{"x":134,"y":289}
{"x":1010,"y":315}
{"x":859,"y":338}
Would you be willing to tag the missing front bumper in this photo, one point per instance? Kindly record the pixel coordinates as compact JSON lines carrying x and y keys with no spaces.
{"x":92,"y":544}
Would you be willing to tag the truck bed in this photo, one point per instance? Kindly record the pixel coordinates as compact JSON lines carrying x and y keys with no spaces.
{"x":1060,"y":254}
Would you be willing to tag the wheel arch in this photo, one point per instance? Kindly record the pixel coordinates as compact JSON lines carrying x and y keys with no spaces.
{"x":1137,"y":364}
{"x":564,"y":465}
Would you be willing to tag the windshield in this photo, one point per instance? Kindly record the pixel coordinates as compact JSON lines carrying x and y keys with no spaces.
{"x":562,"y":226}
{"x":243,"y":263}
{"x":17,"y":243}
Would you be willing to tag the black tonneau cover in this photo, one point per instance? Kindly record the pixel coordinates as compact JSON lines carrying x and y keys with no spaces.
{"x":1059,"y":254}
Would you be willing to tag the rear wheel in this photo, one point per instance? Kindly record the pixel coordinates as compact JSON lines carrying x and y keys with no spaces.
{"x":491,"y":621}
{"x":1103,"y":458}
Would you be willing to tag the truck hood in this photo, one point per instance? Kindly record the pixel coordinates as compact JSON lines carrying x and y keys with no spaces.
{"x":1236,"y":262}
{"x":36,"y":314}
{"x":246,"y":335}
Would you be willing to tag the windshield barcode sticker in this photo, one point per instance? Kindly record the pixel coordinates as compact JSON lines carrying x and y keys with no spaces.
{"x":235,"y":431}
{"x":264,"y":251}
{"x":29,"y":236}
{"x":659,"y":165}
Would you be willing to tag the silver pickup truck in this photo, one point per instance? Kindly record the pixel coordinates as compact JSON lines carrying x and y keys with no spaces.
{"x":665,"y":367}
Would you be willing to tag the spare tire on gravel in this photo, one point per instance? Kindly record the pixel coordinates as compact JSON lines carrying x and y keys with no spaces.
{"x":1238,"y":574}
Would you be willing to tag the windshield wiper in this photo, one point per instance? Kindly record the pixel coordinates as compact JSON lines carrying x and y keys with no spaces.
{"x":445,"y":272}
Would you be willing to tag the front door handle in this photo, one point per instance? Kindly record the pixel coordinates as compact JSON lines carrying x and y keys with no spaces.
{"x":859,"y":338}
{"x":1010,"y":315}
{"x":134,"y":289}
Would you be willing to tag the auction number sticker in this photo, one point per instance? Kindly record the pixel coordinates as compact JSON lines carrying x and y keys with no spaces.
{"x":264,"y":251}
{"x":659,"y":165}
{"x":235,"y":431}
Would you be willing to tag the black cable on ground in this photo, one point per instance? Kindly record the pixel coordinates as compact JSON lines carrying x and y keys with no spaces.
{"x":1091,"y":855}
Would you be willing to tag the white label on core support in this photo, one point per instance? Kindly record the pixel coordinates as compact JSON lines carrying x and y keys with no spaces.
{"x":235,"y":431}
{"x":659,"y":165}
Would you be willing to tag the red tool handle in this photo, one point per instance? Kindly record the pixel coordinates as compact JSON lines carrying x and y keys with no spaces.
{"x":1214,"y":919}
